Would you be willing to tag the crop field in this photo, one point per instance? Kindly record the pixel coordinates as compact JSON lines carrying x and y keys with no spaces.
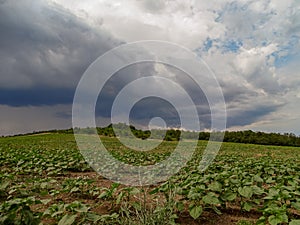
{"x":44,"y":179}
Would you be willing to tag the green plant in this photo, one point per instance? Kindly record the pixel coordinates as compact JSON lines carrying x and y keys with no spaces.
{"x":17,"y":211}
{"x":245,"y":222}
{"x":260,"y":179}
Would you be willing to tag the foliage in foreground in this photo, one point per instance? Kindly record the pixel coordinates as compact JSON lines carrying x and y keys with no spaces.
{"x":45,"y":179}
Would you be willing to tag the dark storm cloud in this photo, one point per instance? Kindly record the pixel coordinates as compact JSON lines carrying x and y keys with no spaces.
{"x":242,"y":117}
{"x":36,"y":96}
{"x":236,"y":92}
{"x":64,"y":115}
{"x":44,"y":52}
{"x":152,"y":107}
{"x":118,"y":81}
{"x":245,"y":110}
{"x":239,"y":95}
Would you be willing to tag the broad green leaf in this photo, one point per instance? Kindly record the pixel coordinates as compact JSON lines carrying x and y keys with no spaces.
{"x":245,"y":191}
{"x":274,"y":220}
{"x":258,"y":179}
{"x":195,"y":211}
{"x":234,"y":181}
{"x":82,"y":209}
{"x":257,"y":190}
{"x":285,"y":194}
{"x":272,"y":193}
{"x":261,"y":221}
{"x":270,"y":180}
{"x":180,"y":206}
{"x":93,"y":217}
{"x":277,"y":219}
{"x":296,"y":205}
{"x":215,"y":186}
{"x":210,"y":198}
{"x":247,"y":206}
{"x":295,"y":222}
{"x":228,"y":196}
{"x":193,"y":194}
{"x":4,"y":185}
{"x":67,"y":219}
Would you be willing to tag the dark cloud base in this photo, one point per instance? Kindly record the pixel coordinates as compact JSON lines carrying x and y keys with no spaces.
{"x":246,"y":117}
{"x":36,"y":97}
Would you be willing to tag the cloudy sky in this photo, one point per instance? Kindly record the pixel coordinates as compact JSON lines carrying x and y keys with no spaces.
{"x":252,"y":47}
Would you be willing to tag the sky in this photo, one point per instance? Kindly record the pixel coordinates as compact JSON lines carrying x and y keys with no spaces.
{"x":251,"y":46}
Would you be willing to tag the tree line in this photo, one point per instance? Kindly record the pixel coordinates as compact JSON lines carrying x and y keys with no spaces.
{"x":247,"y":136}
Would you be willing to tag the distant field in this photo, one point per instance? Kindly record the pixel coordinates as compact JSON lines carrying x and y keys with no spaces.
{"x":44,"y":178}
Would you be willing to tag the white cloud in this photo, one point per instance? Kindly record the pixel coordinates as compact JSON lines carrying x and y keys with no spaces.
{"x":181,"y":22}
{"x":250,"y":61}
